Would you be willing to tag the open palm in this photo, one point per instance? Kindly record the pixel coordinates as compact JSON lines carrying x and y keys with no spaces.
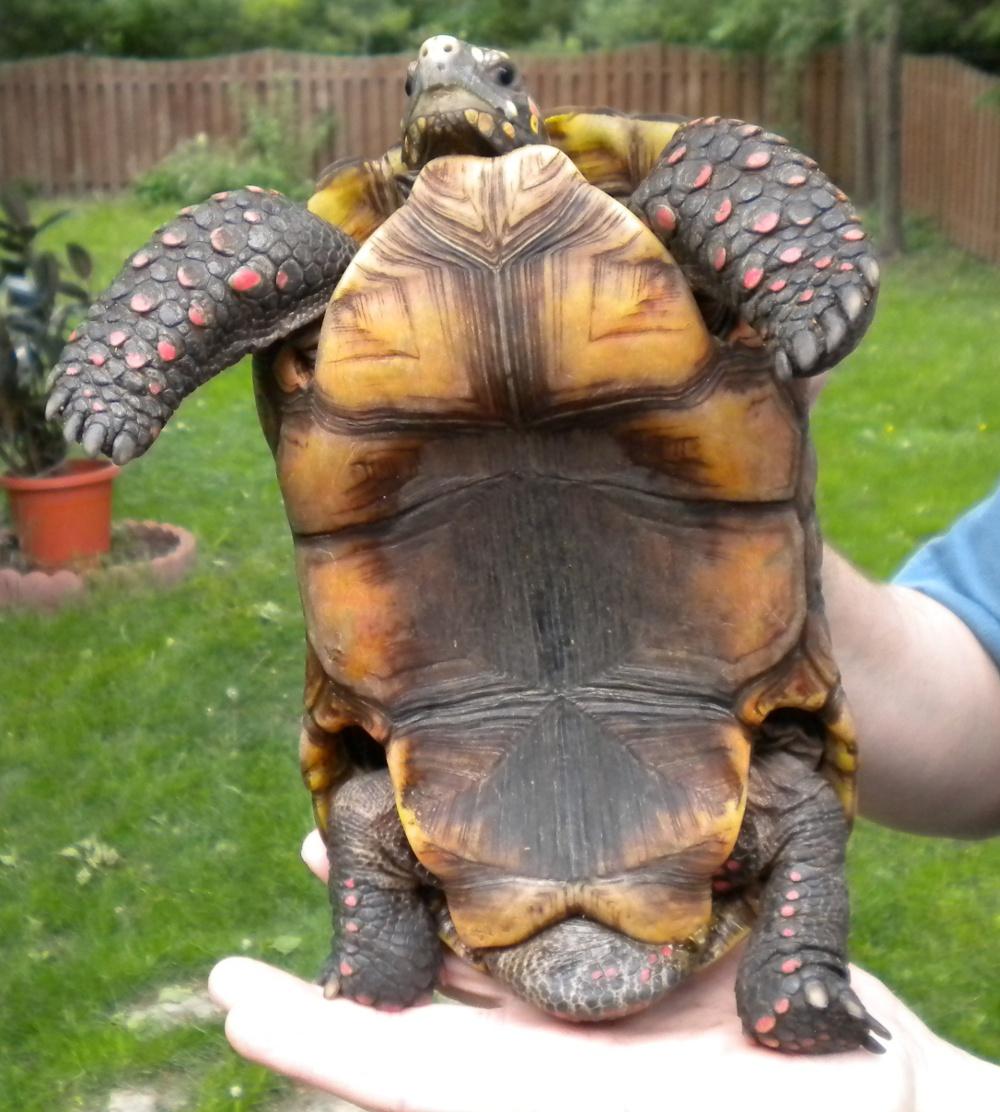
{"x":497,"y":1053}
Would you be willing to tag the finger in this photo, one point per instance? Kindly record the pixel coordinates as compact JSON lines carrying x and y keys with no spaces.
{"x":462,"y":982}
{"x":337,"y":1045}
{"x":314,"y":855}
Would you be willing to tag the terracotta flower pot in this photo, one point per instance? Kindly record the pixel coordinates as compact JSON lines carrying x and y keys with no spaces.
{"x":64,"y":518}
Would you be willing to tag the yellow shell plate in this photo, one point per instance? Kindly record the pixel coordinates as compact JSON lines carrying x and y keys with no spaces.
{"x":420,"y":321}
{"x":612,"y":150}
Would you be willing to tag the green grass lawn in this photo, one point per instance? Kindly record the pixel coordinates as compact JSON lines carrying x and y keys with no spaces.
{"x":165,"y":727}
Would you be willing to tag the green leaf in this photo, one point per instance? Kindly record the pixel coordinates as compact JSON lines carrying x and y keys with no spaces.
{"x":70,"y":289}
{"x":80,"y":260}
{"x":15,"y":206}
{"x":50,"y":220}
{"x":285,"y":944}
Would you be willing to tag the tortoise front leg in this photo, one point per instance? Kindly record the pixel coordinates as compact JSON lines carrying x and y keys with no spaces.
{"x":225,"y":278}
{"x":792,"y":988}
{"x":385,"y":944}
{"x":755,"y":225}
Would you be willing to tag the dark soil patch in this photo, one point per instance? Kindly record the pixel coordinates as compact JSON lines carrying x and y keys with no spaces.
{"x":131,"y":543}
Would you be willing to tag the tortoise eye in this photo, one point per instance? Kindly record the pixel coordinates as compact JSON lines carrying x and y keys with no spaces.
{"x":505,"y":74}
{"x":408,"y":87}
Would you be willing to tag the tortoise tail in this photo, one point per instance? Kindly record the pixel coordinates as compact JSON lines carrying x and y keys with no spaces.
{"x":225,"y":278}
{"x":584,"y":971}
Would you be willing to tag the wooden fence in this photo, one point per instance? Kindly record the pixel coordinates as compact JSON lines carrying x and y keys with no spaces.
{"x":74,"y":125}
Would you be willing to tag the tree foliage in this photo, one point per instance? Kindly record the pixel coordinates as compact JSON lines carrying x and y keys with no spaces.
{"x":164,"y":29}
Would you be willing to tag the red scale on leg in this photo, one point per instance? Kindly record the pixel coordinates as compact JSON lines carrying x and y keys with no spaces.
{"x":245,"y":279}
{"x":757,"y":160}
{"x":665,"y":218}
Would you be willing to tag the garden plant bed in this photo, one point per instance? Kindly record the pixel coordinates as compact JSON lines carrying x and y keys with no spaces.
{"x":142,"y":553}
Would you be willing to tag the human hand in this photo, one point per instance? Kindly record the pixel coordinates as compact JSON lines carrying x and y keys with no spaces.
{"x":686,"y":1051}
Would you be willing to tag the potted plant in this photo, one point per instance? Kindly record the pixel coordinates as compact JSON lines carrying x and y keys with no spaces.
{"x":60,"y":508}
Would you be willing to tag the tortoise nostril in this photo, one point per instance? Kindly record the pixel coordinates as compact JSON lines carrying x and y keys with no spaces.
{"x":448,"y":48}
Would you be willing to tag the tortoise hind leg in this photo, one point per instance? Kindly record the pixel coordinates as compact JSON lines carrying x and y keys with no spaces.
{"x":385,"y":945}
{"x":792,"y":988}
{"x":757,"y":226}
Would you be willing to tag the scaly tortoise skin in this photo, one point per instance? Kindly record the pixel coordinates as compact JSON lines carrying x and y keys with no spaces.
{"x":570,"y":701}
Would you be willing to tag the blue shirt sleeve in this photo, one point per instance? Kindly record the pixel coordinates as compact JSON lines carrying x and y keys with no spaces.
{"x":961,"y":570}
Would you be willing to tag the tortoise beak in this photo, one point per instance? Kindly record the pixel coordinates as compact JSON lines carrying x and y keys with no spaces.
{"x":449,"y":120}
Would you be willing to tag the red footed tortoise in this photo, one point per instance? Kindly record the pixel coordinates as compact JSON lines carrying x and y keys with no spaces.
{"x":570,"y":700}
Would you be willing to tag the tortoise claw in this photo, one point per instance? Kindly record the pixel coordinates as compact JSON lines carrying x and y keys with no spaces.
{"x":870,"y":269}
{"x":124,"y":448}
{"x":56,"y":401}
{"x":93,"y":439}
{"x":852,"y":301}
{"x":805,"y":351}
{"x":834,"y":329}
{"x":71,"y":429}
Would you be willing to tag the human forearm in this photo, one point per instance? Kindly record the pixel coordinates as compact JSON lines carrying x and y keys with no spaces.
{"x":926,"y":697}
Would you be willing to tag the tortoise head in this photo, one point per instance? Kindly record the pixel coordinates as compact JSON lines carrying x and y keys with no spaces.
{"x":465,"y":99}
